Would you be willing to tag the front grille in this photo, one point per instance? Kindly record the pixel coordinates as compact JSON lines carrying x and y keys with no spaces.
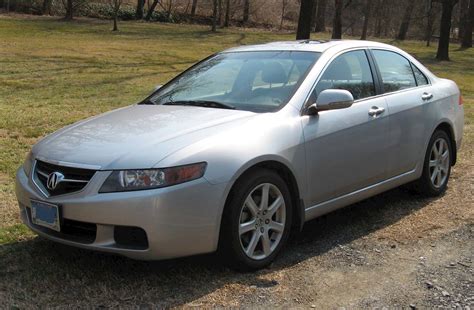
{"x":75,"y":179}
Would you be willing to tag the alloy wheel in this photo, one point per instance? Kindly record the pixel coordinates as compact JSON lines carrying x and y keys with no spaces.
{"x":262,"y":221}
{"x":439,"y":162}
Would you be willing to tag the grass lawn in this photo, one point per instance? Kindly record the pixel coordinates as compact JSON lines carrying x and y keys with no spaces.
{"x":54,"y":73}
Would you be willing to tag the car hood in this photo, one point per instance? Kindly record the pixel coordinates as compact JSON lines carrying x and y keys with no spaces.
{"x":133,"y":137}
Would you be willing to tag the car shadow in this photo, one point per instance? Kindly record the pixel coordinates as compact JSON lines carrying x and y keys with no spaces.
{"x":98,"y":279}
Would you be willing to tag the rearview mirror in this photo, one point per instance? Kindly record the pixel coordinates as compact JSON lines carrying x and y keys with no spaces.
{"x":331,"y":99}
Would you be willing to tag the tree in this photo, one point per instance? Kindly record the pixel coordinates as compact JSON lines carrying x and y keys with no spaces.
{"x":219,"y":12}
{"x":227,"y":14}
{"x":445,"y":28}
{"x":115,"y":5}
{"x":337,"y":20}
{"x":140,"y":7}
{"x":194,"y":7}
{"x":320,"y":22}
{"x":245,"y":16}
{"x":463,"y":16}
{"x":214,"y":15}
{"x":304,"y":21}
{"x":429,"y":23}
{"x":368,"y":6}
{"x":284,"y":5}
{"x":402,"y":33}
{"x":149,"y":14}
{"x":468,"y":27}
{"x":46,"y":8}
{"x":69,"y":10}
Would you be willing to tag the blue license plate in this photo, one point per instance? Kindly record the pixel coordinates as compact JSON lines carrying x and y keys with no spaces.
{"x":45,"y":214}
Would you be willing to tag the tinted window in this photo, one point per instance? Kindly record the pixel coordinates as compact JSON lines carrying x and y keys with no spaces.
{"x":252,"y":81}
{"x":419,"y":76}
{"x":349,"y":71}
{"x":395,"y":70}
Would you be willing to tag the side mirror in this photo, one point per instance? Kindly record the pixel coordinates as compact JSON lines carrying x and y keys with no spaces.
{"x":331,"y":99}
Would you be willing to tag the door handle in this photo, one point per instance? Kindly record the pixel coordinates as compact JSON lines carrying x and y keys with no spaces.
{"x":374,"y":111}
{"x":427,"y":96}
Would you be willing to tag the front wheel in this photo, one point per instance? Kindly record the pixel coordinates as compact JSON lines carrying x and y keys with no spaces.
{"x":437,"y":166}
{"x":256,"y":222}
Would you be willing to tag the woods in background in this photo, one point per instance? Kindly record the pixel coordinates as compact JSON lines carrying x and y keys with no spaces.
{"x":443,"y":20}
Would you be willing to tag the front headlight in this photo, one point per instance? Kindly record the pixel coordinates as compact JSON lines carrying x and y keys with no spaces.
{"x":132,"y":180}
{"x":28,"y":164}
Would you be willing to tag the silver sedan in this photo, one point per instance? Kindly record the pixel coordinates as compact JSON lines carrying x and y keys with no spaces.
{"x":243,"y":147}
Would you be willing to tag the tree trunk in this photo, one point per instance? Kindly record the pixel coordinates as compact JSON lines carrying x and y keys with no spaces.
{"x":214,"y":15}
{"x":194,"y":7}
{"x":463,"y":17}
{"x":284,"y":4}
{"x":368,"y":5}
{"x":467,"y":35}
{"x":320,"y":24}
{"x":304,"y":21}
{"x":313,"y":14}
{"x":219,"y":12}
{"x":429,"y":24}
{"x":149,"y":14}
{"x":227,"y":14}
{"x":46,"y":9}
{"x":168,"y":13}
{"x":445,"y":29}
{"x":402,"y":33}
{"x":337,"y":20}
{"x":245,"y":16}
{"x":69,"y":10}
{"x":115,"y":23}
{"x":140,"y":8}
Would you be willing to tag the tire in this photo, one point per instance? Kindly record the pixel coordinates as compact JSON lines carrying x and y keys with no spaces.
{"x":426,"y":184}
{"x":256,"y":248}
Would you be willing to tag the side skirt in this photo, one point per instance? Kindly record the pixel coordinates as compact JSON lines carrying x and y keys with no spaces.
{"x":358,"y":195}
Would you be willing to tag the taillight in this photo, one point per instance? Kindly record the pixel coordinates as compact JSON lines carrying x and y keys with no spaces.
{"x":460,"y":99}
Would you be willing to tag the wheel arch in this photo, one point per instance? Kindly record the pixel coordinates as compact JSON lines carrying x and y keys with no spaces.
{"x":286,"y":173}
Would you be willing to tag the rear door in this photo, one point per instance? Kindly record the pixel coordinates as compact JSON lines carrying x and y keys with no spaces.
{"x":346,"y":148}
{"x":407,"y":92}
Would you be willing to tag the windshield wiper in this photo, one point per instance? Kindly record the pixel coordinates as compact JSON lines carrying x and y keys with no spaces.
{"x":202,"y":103}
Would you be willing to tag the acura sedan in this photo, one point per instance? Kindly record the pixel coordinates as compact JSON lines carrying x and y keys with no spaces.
{"x":242,"y":148}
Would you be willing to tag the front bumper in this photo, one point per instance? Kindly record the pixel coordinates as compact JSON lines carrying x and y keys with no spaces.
{"x":180,"y":220}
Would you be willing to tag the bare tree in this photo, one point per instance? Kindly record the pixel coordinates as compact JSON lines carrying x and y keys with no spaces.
{"x":429,"y":23}
{"x":46,"y":7}
{"x":194,"y":7}
{"x":219,"y":12}
{"x":245,"y":15}
{"x":227,"y":14}
{"x":463,"y":16}
{"x":69,"y":10}
{"x":320,"y":22}
{"x":149,"y":14}
{"x":284,"y":5}
{"x":139,"y":11}
{"x":214,"y":15}
{"x":445,"y":29}
{"x":368,"y":6}
{"x":115,"y":5}
{"x":402,"y":33}
{"x":467,"y":35}
{"x":304,"y":21}
{"x":337,"y":20}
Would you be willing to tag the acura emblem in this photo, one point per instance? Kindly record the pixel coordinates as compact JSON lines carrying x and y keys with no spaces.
{"x":54,"y":179}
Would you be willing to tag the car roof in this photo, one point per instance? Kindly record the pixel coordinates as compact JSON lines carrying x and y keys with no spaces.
{"x":308,"y":45}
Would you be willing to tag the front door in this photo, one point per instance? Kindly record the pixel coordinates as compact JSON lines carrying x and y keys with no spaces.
{"x":346,"y":148}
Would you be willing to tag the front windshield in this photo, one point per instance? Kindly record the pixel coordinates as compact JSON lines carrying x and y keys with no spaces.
{"x":251,"y":81}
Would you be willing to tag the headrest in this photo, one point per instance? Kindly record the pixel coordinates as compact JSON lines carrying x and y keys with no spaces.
{"x":273,"y":72}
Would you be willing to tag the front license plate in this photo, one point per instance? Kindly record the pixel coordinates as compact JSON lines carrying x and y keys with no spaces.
{"x":45,"y":214}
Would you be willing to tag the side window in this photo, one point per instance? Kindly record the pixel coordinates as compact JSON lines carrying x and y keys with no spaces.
{"x":395,"y":71}
{"x":419,"y":76}
{"x":349,"y":71}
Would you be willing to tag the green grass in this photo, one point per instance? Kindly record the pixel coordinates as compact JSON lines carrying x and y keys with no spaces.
{"x":53,"y":73}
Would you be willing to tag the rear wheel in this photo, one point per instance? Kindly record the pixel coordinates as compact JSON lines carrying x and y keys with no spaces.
{"x":256,"y":221}
{"x":437,"y":166}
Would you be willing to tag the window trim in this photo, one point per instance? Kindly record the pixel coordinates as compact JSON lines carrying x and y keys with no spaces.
{"x":372,"y":70}
{"x":411,"y":64}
